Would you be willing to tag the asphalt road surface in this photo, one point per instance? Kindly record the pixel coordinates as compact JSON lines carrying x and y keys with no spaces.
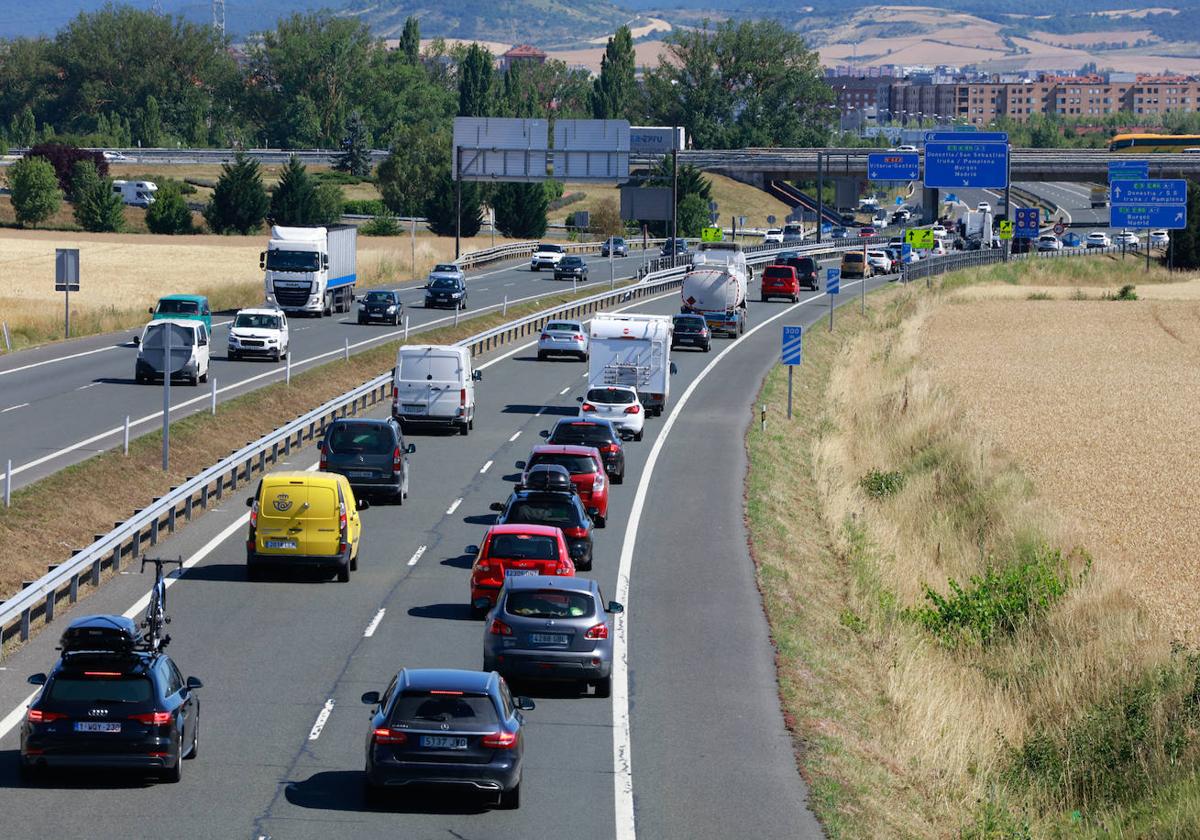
{"x":691,"y":745}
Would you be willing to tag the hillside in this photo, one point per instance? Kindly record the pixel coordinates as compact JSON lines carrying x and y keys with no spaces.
{"x":546,"y":23}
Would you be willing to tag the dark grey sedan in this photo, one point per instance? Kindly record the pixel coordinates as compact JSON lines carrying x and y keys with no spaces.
{"x":616,"y":246}
{"x":370,"y":453}
{"x":571,"y":268}
{"x":549,"y":628}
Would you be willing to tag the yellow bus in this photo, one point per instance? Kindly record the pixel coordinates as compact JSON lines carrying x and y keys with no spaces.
{"x":1141,"y":143}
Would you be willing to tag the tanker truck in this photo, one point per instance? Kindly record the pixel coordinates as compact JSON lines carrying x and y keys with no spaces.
{"x":715,"y":287}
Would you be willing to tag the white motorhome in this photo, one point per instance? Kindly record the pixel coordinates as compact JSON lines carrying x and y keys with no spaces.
{"x":188,"y":350}
{"x":136,"y":193}
{"x":632,"y":350}
{"x":435,"y":384}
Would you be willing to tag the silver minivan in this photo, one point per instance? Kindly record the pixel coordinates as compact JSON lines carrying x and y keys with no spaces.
{"x":189,"y":350}
{"x":434,"y":384}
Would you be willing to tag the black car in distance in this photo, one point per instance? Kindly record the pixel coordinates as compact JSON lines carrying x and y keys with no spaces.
{"x":598,"y":433}
{"x":371,"y":454}
{"x":690,"y":330}
{"x":571,"y":268}
{"x":381,"y":305}
{"x":111,"y":702}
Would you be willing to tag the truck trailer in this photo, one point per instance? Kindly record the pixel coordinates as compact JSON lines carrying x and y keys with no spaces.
{"x":632,"y":350}
{"x":311,"y":270}
{"x":715,"y":287}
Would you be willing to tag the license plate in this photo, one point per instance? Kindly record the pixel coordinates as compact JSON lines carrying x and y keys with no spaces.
{"x":414,"y":407}
{"x":443,"y":742}
{"x":548,"y":638}
{"x":281,"y":543}
{"x":519,"y":572}
{"x":97,"y":726}
{"x":361,"y":474}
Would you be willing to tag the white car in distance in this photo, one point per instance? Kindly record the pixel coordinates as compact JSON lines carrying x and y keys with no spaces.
{"x":259,"y":332}
{"x":773,"y":235}
{"x":1098,"y":239}
{"x":1127,"y":238}
{"x":1159,"y":239}
{"x":618,"y":404}
{"x":546,"y":255}
{"x":879,"y":261}
{"x":1049,"y":242}
{"x":567,"y":338}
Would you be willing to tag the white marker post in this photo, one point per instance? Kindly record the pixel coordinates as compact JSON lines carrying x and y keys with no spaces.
{"x":166,"y":412}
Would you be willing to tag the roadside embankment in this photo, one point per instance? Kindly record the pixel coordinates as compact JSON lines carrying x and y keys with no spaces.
{"x":961,"y":652}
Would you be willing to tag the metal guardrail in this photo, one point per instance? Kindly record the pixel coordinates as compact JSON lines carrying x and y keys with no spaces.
{"x":934,"y":266}
{"x":526,"y":249}
{"x":127,"y":540}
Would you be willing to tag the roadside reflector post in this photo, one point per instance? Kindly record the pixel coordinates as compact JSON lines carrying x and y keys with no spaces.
{"x":503,"y":312}
{"x":406,"y":328}
{"x":8,"y":483}
{"x":212,"y":391}
{"x":763,"y":416}
{"x":456,"y":310}
{"x":346,"y":348}
{"x":789,"y":413}
{"x":126,"y":434}
{"x":287,"y":367}
{"x":7,"y":341}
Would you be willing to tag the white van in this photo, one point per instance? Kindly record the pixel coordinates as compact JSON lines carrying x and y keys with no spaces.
{"x":189,"y":342}
{"x":434,"y":383}
{"x":136,"y":193}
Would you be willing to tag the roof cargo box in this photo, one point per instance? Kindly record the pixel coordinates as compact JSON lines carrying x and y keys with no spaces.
{"x":111,"y":633}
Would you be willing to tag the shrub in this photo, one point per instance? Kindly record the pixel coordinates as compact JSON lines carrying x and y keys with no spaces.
{"x":169,"y":213}
{"x":563,"y":201}
{"x":364,"y":207}
{"x":382,"y":225}
{"x":333,"y":176}
{"x":879,"y":484}
{"x":64,"y":156}
{"x":1126,"y":293}
{"x":35,"y":193}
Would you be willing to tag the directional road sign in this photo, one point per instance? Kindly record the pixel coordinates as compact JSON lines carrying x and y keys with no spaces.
{"x":1006,"y":229}
{"x":833,"y":280}
{"x":899,"y":200}
{"x":1027,"y":222}
{"x":1146,"y":192}
{"x":894,"y":166}
{"x":976,"y":137}
{"x":980,"y":161}
{"x":1154,"y":216}
{"x":712,"y":234}
{"x":1128,"y":169}
{"x":792,"y":345}
{"x":920,"y":238}
{"x":951,"y":198}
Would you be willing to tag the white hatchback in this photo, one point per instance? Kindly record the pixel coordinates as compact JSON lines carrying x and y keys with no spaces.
{"x":619,"y":404}
{"x":880,"y":261}
{"x":773,"y":235}
{"x":1159,"y":239}
{"x":567,"y":338}
{"x":1097,"y":239}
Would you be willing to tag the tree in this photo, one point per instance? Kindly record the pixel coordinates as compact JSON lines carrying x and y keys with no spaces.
{"x":23,"y":129}
{"x":97,"y":207}
{"x":84,"y":178}
{"x":521,"y":210}
{"x":410,"y":40}
{"x":329,"y":204}
{"x":606,"y":219}
{"x":355,"y":156}
{"x":295,"y":200}
{"x":693,"y":215}
{"x":64,"y":156}
{"x":614,"y":89}
{"x":475,"y":82}
{"x":35,"y":193}
{"x":169,"y":213}
{"x":1184,"y":249}
{"x":691,"y":180}
{"x":407,"y":177}
{"x":439,"y":207}
{"x":150,"y":129}
{"x":239,"y":202}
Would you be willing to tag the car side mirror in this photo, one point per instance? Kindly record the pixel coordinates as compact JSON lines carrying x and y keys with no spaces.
{"x":137,"y":341}
{"x":250,"y":502}
{"x":471,"y":549}
{"x":544,"y":433}
{"x":519,"y":465}
{"x":476,"y":376}
{"x":150,"y":310}
{"x":496,"y":506}
{"x":362,"y":504}
{"x":320,"y":446}
{"x":674,"y":369}
{"x":193,"y":684}
{"x":616,"y":607}
{"x":36,"y":679}
{"x":579,"y":400}
{"x":525,"y":704}
{"x":411,"y":448}
{"x":597,"y":518}
{"x":370,"y":698}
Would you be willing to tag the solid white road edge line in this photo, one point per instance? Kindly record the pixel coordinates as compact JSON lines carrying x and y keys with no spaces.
{"x":370,"y":631}
{"x":626,"y":828}
{"x":322,"y":717}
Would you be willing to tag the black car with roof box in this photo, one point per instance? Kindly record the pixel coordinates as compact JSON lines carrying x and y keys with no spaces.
{"x":112,"y":701}
{"x":371,"y":454}
{"x":562,"y":509}
{"x":601,"y":434}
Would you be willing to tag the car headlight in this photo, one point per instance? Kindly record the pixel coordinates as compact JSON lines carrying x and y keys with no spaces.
{"x":391,"y":308}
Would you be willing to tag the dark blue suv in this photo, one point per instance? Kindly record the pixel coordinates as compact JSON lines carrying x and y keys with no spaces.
{"x":445,"y":727}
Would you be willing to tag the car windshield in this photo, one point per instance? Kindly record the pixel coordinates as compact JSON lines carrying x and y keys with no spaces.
{"x":97,"y":689}
{"x":563,"y":326}
{"x":581,"y":432}
{"x":451,"y":709}
{"x":280,"y":260}
{"x":429,"y":367}
{"x":373,"y":438}
{"x":689,"y":325}
{"x":448,"y":283}
{"x":448,"y":268}
{"x":611,"y":396}
{"x":852,"y":257}
{"x":549,"y":603}
{"x":178,"y":307}
{"x":181,"y":336}
{"x":550,"y":249}
{"x":379,"y":297}
{"x":560,"y":514}
{"x":574,"y":464}
{"x":523,"y":547}
{"x":257,"y":322}
{"x":569,"y":262}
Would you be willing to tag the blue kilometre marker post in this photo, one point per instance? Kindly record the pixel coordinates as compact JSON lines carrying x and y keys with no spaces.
{"x":833,"y":285}
{"x":790,"y":355}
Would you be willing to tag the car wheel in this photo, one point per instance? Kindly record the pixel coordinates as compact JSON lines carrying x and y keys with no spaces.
{"x":603,"y":687}
{"x":638,"y":436}
{"x":175,"y":774}
{"x":253,"y":572}
{"x":541,"y":356}
{"x":232,"y":354}
{"x":619,"y":478}
{"x":510,"y":800}
{"x":194,"y":380}
{"x":463,"y":428}
{"x":354,"y":563}
{"x":585,"y":565}
{"x":361,"y":320}
{"x":194,"y":752}
{"x":478,"y":613}
{"x":343,"y":574}
{"x":276,"y":357}
{"x":762,"y":298}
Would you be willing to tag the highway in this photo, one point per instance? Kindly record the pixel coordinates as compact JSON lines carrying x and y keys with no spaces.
{"x":62,"y":403}
{"x":691,"y":745}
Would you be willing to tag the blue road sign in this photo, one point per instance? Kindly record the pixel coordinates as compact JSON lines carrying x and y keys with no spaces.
{"x":899,"y":201}
{"x":1145,"y":193}
{"x":833,"y":280}
{"x":893,"y":166}
{"x":1148,"y":217}
{"x":966,"y":163}
{"x":1027,"y":222}
{"x":951,"y":198}
{"x":1128,"y":169}
{"x":976,"y":136}
{"x":792,"y":345}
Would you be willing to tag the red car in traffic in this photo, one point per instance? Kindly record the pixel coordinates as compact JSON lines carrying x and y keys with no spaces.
{"x":586,"y":466}
{"x":514,"y":551}
{"x":780,"y":281}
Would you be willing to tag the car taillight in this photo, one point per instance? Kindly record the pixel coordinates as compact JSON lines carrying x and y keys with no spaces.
{"x":575,"y":532}
{"x":254,"y":515}
{"x":397,"y":459}
{"x":500,"y":740}
{"x":588,"y":407}
{"x":38,"y":716}
{"x":153,"y":718}
{"x":610,"y":447}
{"x":323,"y":461}
{"x":545,"y":336}
{"x":633,"y":409}
{"x":462,"y":397}
{"x":600,"y":631}
{"x":383,"y":735}
{"x":564,"y":568}
{"x":578,"y":337}
{"x":499,"y":628}
{"x":598,"y":482}
{"x":342,"y":530}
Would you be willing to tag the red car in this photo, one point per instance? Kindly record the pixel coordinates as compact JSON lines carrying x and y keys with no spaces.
{"x":780,"y":281}
{"x":514,"y":551}
{"x":866,"y":232}
{"x":586,"y":467}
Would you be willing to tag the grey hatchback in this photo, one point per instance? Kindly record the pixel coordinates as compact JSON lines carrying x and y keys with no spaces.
{"x":370,"y":453}
{"x":549,"y":628}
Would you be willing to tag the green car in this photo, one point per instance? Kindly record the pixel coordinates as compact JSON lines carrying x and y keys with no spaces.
{"x":187,"y":307}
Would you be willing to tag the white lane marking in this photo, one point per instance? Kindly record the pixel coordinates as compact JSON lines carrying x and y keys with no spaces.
{"x":14,"y":717}
{"x":514,"y":437}
{"x":510,"y":284}
{"x":370,"y":631}
{"x":62,"y":359}
{"x":626,"y":827}
{"x":560,"y":393}
{"x":484,"y":289}
{"x":85,"y":387}
{"x":485,"y":467}
{"x":584,"y":374}
{"x":13,"y":408}
{"x":322,"y":717}
{"x":453,"y":506}
{"x":412,"y":561}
